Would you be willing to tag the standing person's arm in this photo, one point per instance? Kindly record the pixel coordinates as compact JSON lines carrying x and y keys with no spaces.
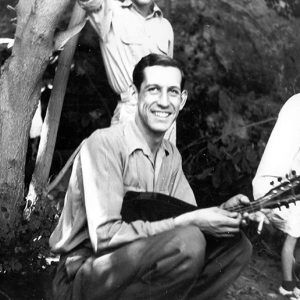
{"x":100,"y":15}
{"x":281,"y":150}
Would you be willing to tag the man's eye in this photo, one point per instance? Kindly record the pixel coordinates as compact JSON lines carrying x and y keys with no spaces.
{"x":174,"y":92}
{"x":153,"y":89}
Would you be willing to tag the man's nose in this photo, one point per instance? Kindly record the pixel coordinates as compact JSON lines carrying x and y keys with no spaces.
{"x":163,"y":99}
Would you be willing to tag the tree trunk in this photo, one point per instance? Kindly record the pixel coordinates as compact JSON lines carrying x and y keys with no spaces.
{"x":20,"y":86}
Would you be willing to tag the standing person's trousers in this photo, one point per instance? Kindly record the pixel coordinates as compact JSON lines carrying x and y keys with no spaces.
{"x":176,"y":264}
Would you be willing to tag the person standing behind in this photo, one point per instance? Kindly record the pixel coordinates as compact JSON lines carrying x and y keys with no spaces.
{"x":128,"y":31}
{"x":280,"y":158}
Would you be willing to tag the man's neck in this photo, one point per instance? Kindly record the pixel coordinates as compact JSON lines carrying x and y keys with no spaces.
{"x":153,"y":140}
{"x":144,"y":10}
{"x":154,"y":143}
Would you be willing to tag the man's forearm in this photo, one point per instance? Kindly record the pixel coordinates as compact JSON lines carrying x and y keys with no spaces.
{"x":183,"y":220}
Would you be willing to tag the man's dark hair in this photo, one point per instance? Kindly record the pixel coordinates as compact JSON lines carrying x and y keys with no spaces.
{"x":154,"y":60}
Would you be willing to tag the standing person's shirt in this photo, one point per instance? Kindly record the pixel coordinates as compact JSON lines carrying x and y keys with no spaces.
{"x":111,"y":162}
{"x":281,"y":156}
{"x":125,"y":37}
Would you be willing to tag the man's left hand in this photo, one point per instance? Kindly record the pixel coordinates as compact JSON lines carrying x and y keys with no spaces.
{"x":238,"y":200}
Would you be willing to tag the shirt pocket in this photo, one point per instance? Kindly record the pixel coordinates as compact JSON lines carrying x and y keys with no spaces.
{"x":131,"y":37}
{"x":127,"y":29}
{"x":131,"y":176}
{"x":131,"y":40}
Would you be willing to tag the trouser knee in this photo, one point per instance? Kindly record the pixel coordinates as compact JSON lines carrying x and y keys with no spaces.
{"x":191,"y":245}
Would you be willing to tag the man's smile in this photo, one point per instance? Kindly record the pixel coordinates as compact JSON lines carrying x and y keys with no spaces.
{"x":161,"y":114}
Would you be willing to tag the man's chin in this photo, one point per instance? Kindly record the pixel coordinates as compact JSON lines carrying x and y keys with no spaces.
{"x":160,"y":130}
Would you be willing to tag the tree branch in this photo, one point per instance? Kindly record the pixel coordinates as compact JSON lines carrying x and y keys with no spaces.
{"x":51,"y":122}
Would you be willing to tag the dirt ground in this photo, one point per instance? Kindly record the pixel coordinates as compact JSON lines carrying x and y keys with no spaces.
{"x":260,"y":280}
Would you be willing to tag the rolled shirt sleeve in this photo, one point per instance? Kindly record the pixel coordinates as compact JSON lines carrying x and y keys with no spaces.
{"x":100,"y":15}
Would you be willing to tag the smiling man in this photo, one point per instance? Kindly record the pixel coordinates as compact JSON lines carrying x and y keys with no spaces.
{"x":193,"y":255}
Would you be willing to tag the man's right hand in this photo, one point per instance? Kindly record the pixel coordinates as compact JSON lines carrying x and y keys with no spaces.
{"x":214,"y":221}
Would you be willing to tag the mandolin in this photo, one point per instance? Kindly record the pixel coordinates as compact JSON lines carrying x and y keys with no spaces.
{"x":148,"y":206}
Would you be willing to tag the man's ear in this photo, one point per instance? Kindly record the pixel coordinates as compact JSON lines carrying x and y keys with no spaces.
{"x":134,"y":92}
{"x":184,"y":96}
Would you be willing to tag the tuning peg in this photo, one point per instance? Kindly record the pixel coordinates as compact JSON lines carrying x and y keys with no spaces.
{"x":279,"y":179}
{"x":287,"y":176}
{"x":286,"y":205}
{"x":294,"y":173}
{"x":272,"y":183}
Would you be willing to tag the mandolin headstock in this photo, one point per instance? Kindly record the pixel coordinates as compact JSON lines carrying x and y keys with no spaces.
{"x":284,"y":194}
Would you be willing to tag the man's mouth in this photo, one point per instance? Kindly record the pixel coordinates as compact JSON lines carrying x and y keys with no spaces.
{"x":161,"y":114}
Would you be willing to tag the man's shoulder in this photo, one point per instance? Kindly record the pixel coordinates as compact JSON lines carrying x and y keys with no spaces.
{"x":171,"y":148}
{"x":291,"y":106}
{"x":110,"y":135}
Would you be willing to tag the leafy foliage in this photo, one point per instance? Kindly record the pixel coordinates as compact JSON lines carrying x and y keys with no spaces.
{"x":24,"y":248}
{"x":224,"y":127}
{"x":285,"y":8}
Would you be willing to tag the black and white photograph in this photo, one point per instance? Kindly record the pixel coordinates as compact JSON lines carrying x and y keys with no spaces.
{"x":149,"y":149}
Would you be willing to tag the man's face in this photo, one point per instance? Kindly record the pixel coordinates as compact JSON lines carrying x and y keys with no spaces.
{"x":144,"y":6}
{"x":160,"y":99}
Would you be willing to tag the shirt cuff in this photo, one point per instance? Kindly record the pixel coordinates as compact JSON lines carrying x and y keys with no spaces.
{"x":161,"y":226}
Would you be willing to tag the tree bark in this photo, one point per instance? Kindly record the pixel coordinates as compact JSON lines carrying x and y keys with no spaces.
{"x":20,"y":86}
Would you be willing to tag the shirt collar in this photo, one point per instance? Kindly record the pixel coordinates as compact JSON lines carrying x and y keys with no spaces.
{"x":135,"y":140}
{"x":156,"y":10}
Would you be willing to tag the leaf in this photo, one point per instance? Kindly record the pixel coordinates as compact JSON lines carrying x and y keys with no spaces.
{"x":216,"y":179}
{"x":225,"y":103}
{"x":16,"y":266}
{"x":205,"y":173}
{"x":235,"y":125}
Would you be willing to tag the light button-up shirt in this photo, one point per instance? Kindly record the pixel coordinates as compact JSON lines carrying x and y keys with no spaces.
{"x":111,"y":162}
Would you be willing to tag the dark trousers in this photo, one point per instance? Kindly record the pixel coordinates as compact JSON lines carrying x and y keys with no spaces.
{"x":176,"y":264}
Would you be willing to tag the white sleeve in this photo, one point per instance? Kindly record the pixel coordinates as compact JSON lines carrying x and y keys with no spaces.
{"x":100,"y":15}
{"x":282,"y":149}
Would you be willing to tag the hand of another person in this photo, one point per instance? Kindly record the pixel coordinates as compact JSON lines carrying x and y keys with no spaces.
{"x":258,"y":216}
{"x":243,"y":201}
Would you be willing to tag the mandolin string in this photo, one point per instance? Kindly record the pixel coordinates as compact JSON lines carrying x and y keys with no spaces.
{"x":262,"y":203}
{"x":267,"y":200}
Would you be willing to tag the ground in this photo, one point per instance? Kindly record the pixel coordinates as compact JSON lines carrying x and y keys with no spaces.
{"x":259,"y":281}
